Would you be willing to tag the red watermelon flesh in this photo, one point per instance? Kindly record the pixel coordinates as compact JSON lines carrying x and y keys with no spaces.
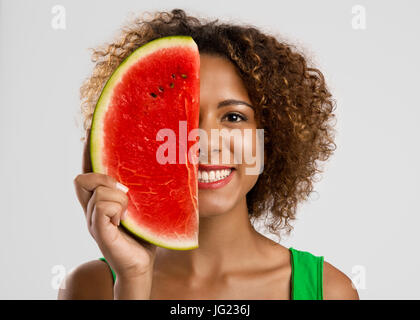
{"x":155,"y":88}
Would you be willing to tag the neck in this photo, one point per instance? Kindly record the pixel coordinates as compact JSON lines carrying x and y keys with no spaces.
{"x":225,"y":242}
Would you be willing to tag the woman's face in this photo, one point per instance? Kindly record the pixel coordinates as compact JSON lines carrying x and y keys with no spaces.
{"x":219,"y":83}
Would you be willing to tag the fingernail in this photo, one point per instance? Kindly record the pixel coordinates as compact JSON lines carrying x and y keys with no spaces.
{"x":122,"y":187}
{"x":124,"y":215}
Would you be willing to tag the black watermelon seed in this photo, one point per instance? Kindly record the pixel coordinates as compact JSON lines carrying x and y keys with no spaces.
{"x":183,"y":75}
{"x":171,"y":85}
{"x":153,"y":94}
{"x":161,"y":89}
{"x":173,"y":75}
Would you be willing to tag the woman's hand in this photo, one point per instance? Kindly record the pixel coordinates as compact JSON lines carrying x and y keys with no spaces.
{"x":104,"y":200}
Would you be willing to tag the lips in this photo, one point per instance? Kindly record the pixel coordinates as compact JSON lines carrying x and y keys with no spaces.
{"x":213,"y":176}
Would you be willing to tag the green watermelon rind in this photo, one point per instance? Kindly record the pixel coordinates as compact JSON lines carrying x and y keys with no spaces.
{"x":144,"y":234}
{"x":96,"y":128}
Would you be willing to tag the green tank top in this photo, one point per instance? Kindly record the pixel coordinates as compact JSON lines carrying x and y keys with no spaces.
{"x":307,"y":275}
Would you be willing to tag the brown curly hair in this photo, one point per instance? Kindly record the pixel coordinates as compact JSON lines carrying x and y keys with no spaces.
{"x":292,"y":102}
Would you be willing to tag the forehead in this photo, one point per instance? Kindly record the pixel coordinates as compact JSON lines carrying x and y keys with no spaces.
{"x":220,"y":78}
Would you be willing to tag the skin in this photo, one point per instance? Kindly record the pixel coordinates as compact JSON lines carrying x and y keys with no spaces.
{"x":233,"y":260}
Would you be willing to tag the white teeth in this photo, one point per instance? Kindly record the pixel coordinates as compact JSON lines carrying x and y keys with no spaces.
{"x":213,"y":175}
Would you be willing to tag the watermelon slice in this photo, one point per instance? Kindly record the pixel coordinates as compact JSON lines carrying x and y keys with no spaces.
{"x":156,"y":87}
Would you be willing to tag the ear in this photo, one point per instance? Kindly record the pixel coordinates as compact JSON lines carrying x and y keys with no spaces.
{"x":86,"y":161}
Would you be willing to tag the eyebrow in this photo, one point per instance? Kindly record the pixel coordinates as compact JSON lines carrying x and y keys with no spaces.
{"x":229,"y":102}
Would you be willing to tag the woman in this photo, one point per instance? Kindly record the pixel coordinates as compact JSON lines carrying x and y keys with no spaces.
{"x":276,"y":91}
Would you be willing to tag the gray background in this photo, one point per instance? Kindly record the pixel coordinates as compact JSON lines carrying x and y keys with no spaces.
{"x":365,"y":212}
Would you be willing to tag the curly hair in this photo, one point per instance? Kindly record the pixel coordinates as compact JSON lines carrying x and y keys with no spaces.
{"x":292,"y":102}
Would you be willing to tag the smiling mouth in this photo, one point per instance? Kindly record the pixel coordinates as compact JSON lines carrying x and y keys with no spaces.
{"x":212,"y":174}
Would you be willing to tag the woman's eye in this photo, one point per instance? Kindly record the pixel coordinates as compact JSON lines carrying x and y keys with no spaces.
{"x":235,"y":117}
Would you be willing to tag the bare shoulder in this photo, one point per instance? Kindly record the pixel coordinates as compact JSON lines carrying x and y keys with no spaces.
{"x":337,"y":285}
{"x":91,"y":280}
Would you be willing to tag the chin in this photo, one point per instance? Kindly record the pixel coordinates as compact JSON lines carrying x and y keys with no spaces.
{"x":214,"y":207}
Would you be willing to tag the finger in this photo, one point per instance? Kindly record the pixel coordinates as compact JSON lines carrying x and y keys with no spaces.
{"x":132,"y":237}
{"x":102,"y":193}
{"x":86,"y":183}
{"x":103,"y":215}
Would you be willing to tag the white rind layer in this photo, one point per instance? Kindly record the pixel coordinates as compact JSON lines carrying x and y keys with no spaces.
{"x":176,"y":243}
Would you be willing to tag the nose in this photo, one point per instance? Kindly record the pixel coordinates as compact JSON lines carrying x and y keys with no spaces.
{"x":210,"y":147}
{"x":207,"y":153}
{"x":201,"y":152}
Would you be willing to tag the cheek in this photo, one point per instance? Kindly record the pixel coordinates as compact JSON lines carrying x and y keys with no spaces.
{"x":248,"y":171}
{"x":251,"y":159}
{"x":253,"y":152}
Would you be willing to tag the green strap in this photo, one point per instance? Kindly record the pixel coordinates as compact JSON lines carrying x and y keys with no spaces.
{"x":307,"y":274}
{"x":113,"y":273}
